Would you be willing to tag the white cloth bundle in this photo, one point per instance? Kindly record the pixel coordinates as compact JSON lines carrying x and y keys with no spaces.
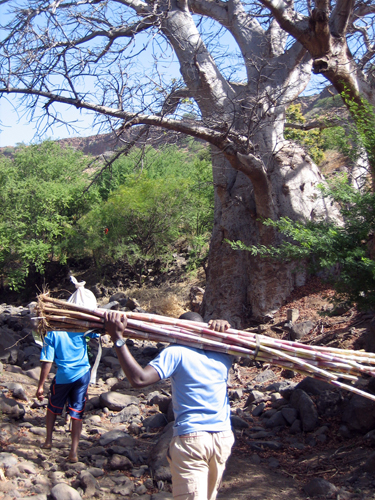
{"x":81,"y":296}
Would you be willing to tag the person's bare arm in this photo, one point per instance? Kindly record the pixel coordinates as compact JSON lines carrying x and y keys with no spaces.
{"x":219,"y":325}
{"x":115,"y":324}
{"x":46,"y":368}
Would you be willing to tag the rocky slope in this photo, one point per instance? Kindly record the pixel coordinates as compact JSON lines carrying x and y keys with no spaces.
{"x":295,"y":438}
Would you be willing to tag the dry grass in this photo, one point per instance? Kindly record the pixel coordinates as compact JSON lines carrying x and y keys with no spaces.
{"x":169,"y":299}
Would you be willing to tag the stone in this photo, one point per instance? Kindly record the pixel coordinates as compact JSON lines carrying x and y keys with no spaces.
{"x":258,"y":410}
{"x":7,"y":460}
{"x":292,"y":315}
{"x":265,"y":376}
{"x":119,"y":462}
{"x":116,"y":401}
{"x":114,"y":435}
{"x":11,"y":408}
{"x":318,"y":486}
{"x":290,"y":414}
{"x":17,"y":390}
{"x":359,"y":414}
{"x":63,"y":491}
{"x":277,"y":420}
{"x":299,"y":330}
{"x":126,"y":414}
{"x":88,"y":483}
{"x":238,"y":423}
{"x":306,"y":408}
{"x":157,"y":459}
{"x":155,"y":421}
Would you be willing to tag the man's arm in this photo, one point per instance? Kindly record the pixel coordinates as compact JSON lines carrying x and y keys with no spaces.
{"x":46,"y":368}
{"x":115,"y":324}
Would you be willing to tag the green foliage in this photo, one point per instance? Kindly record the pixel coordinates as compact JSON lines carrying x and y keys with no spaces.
{"x":141,"y":206}
{"x":41,"y":196}
{"x":142,"y":219}
{"x":364,"y":118}
{"x":311,"y":140}
{"x":345,"y":252}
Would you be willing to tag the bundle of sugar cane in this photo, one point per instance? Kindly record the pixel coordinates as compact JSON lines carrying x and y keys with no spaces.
{"x":328,"y":364}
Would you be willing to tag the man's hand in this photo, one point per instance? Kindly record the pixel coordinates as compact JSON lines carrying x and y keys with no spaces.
{"x":219,"y":325}
{"x":115,"y":324}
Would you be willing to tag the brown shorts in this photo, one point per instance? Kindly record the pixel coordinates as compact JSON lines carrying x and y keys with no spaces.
{"x":197,"y":463}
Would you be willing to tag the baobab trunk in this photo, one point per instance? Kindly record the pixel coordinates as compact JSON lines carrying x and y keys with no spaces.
{"x":239,"y":285}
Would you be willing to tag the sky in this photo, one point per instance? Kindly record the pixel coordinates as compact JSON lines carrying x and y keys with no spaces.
{"x":16,"y":127}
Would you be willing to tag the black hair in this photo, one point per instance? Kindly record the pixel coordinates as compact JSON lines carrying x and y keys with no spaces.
{"x":192,"y":316}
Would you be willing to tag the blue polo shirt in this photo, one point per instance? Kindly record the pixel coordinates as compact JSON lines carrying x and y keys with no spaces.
{"x":199,"y":388}
{"x":69,"y":351}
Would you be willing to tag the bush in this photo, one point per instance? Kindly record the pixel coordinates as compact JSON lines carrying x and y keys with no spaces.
{"x":345,"y":252}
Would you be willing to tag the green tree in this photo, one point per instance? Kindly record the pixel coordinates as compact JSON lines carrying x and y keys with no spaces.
{"x":41,"y":197}
{"x":138,"y":222}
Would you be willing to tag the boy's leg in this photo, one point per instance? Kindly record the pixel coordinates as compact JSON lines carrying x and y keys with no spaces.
{"x":50,"y":422}
{"x":76,"y":434}
{"x":76,"y":405}
{"x":56,"y":402}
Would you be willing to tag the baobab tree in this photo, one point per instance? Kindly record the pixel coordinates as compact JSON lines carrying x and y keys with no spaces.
{"x":89,"y":55}
{"x":340,"y":38}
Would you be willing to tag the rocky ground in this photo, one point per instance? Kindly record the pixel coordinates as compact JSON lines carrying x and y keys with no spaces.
{"x":295,"y":438}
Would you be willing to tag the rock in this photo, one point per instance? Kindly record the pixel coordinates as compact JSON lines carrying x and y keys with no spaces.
{"x":265,"y":376}
{"x":277,"y":420}
{"x":17,"y":390}
{"x":11,"y":408}
{"x":369,"y":465}
{"x":157,"y":460}
{"x":313,"y":386}
{"x":156,"y":398}
{"x":319,"y":486}
{"x":63,"y":491}
{"x":296,"y":427}
{"x":155,"y":421}
{"x":116,"y":401}
{"x":292,"y":315}
{"x":258,"y":410}
{"x":119,"y":462}
{"x":306,"y":408}
{"x":196,"y":297}
{"x":34,"y":373}
{"x":8,"y":347}
{"x":328,"y":403}
{"x":290,"y":414}
{"x":88,"y":483}
{"x":150,"y":352}
{"x":126,"y":414}
{"x":27,"y":467}
{"x":111,"y":436}
{"x":7,"y":460}
{"x":299,"y":330}
{"x":238,"y":423}
{"x":254,"y":396}
{"x":111,"y":362}
{"x":117,"y":297}
{"x":359,"y":414}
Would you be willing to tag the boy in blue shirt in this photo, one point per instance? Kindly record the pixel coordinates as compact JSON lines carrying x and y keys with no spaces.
{"x":69,"y":351}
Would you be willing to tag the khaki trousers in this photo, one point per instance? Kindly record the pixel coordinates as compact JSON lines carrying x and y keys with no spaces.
{"x":197,"y":463}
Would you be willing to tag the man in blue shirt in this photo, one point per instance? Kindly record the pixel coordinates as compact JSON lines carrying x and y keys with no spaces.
{"x":69,"y":351}
{"x":202,"y":435}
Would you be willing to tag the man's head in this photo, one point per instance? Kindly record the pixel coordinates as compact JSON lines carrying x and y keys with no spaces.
{"x":192,"y":316}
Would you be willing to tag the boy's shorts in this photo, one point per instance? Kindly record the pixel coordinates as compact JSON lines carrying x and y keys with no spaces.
{"x":74,"y":393}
